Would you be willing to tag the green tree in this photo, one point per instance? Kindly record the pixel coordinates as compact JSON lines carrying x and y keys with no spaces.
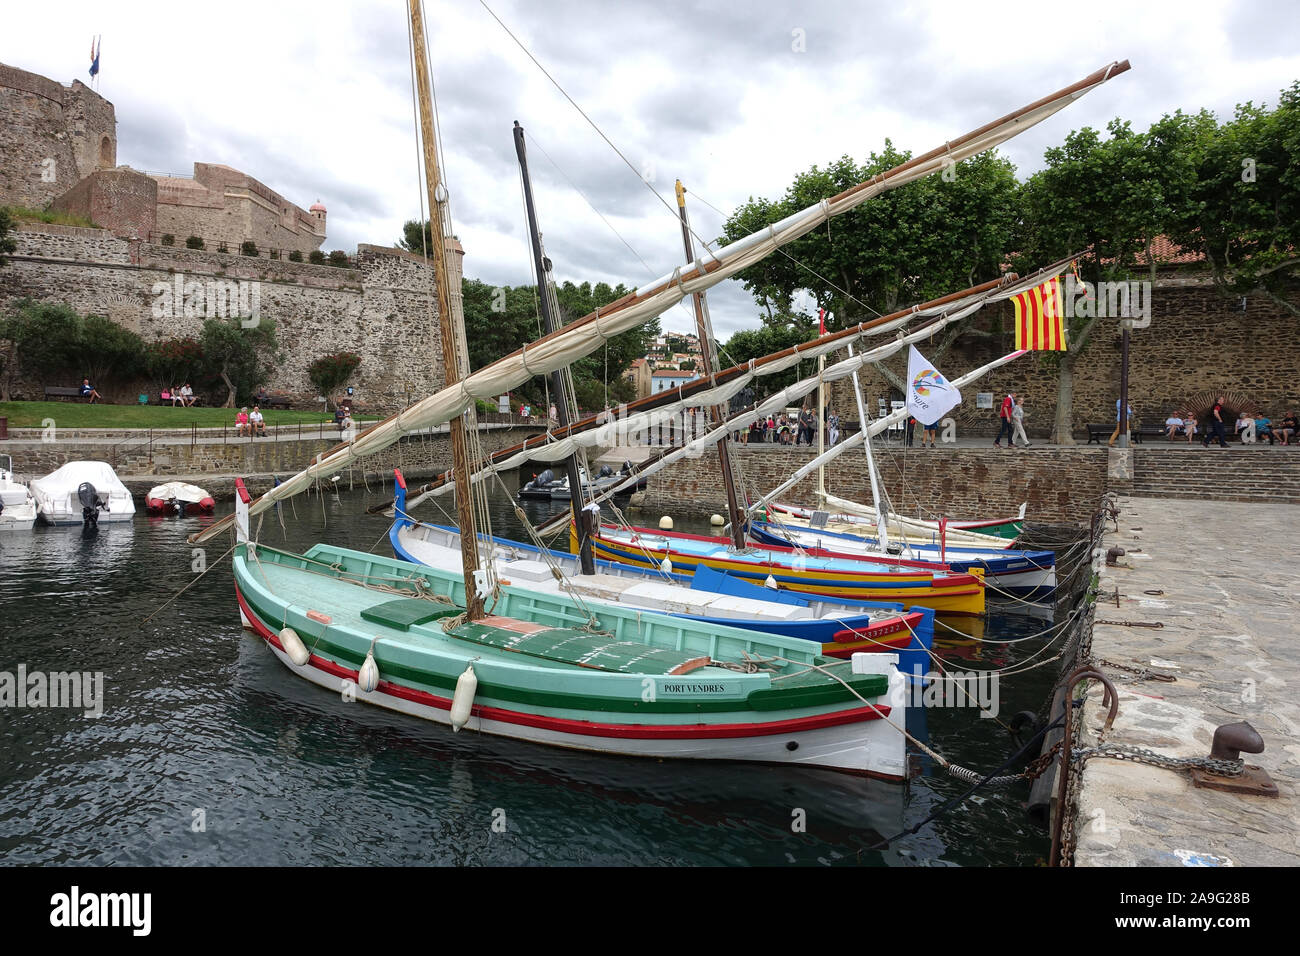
{"x":240,"y":355}
{"x":173,"y":362}
{"x":329,"y":373}
{"x":774,"y":334}
{"x":412,"y":240}
{"x":42,"y":337}
{"x":1243,"y":208}
{"x":1105,"y":200}
{"x":104,"y":350}
{"x":7,"y":242}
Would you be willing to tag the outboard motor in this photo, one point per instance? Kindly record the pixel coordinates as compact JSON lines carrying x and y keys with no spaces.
{"x":544,"y":479}
{"x":627,"y":468}
{"x":605,"y":471}
{"x":91,"y":504}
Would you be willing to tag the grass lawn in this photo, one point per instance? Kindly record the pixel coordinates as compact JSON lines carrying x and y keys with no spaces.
{"x":81,"y":415}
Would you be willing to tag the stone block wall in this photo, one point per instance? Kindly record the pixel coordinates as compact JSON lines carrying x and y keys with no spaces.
{"x":379,"y":309}
{"x":1057,"y":484}
{"x":51,"y":136}
{"x":1197,"y":340}
{"x":122,"y":201}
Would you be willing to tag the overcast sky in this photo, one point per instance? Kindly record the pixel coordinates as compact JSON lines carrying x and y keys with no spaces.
{"x":314,"y":99}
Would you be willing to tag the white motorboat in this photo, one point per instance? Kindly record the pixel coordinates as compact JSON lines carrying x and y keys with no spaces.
{"x":82,"y":492}
{"x":17,"y":507}
{"x":178,"y":498}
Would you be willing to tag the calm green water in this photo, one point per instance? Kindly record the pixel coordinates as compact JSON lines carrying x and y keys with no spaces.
{"x":210,"y":752}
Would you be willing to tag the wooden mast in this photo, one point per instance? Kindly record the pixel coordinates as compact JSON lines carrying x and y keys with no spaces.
{"x":552,"y":322}
{"x":451,"y":371}
{"x":709,"y":367}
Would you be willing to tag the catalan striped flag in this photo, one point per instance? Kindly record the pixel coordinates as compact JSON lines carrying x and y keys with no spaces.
{"x":1040,"y":317}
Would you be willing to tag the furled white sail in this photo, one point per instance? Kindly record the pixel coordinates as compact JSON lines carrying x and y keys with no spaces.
{"x":587,"y":335}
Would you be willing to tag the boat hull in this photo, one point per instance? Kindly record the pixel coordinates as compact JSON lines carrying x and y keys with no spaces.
{"x":953,"y":594}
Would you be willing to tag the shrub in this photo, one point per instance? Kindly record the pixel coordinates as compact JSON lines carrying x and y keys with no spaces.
{"x":317,"y":258}
{"x":194,"y":242}
{"x":339,"y":258}
{"x":248,"y":248}
{"x":168,"y":239}
{"x":329,"y":373}
{"x":221,"y":247}
{"x":295,"y":256}
{"x":275,"y":253}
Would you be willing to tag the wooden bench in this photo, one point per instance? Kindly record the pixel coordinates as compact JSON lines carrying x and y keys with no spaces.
{"x":1147,"y":431}
{"x":275,"y":401}
{"x":59,"y":391}
{"x":1097,"y":432}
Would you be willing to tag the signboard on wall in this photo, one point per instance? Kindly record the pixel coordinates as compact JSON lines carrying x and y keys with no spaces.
{"x":983,"y":399}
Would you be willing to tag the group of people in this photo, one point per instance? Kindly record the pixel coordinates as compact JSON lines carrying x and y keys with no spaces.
{"x":1249,"y":429}
{"x":183,"y":396}
{"x":1011,"y":415}
{"x":249,"y":424}
{"x":784,"y":430}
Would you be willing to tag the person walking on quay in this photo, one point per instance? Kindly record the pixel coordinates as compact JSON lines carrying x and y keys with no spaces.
{"x":1004,"y":415}
{"x":1215,"y":429}
{"x":1115,"y":433}
{"x":927,"y":433}
{"x":832,"y":430}
{"x":1018,"y":422}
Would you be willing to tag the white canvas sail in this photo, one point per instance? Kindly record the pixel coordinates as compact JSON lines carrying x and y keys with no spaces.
{"x":588,"y":334}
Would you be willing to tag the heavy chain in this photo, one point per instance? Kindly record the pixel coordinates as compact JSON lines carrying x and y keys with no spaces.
{"x":1223,"y":768}
{"x":1143,"y":673}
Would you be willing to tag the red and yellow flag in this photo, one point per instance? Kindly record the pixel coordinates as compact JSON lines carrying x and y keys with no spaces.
{"x":1040,"y":317}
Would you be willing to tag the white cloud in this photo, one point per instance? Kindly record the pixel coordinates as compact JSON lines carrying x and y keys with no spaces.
{"x":314,"y":99}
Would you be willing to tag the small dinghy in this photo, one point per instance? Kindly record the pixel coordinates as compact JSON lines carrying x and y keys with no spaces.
{"x":82,"y":492}
{"x":178,"y":498}
{"x":17,"y":507}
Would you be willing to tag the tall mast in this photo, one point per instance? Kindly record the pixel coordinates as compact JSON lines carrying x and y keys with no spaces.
{"x":882,"y":522}
{"x":461,"y":466}
{"x":558,"y":385}
{"x":821,"y":409}
{"x":708,"y":360}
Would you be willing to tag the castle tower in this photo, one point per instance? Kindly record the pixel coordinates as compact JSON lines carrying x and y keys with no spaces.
{"x":51,"y":136}
{"x":318,"y":217}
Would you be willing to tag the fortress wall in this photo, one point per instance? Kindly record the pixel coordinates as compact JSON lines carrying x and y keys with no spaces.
{"x":378,"y":310}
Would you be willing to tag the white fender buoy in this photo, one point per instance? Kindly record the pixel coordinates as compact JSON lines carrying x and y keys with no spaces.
{"x":770,"y":583}
{"x":666,"y":523}
{"x":462,"y":702}
{"x":368,"y":676}
{"x":717,"y":521}
{"x":294,"y":647}
{"x":666,"y":566}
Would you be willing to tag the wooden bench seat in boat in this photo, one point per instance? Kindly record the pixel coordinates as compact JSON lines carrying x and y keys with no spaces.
{"x":566,"y":645}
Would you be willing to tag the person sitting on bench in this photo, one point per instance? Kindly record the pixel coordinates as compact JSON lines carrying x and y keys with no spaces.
{"x":88,"y":391}
{"x":1288,"y":427}
{"x":241,"y":423}
{"x":256,"y":422}
{"x":1173,"y":427}
{"x":187,"y":395}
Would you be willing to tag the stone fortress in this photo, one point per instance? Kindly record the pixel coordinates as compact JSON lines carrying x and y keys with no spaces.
{"x":58,"y":149}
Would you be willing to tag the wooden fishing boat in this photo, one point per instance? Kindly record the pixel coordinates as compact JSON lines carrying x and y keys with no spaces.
{"x":989,"y":533}
{"x":1020,"y":574}
{"x":838,"y":628}
{"x":537,"y":667}
{"x":792,"y":569}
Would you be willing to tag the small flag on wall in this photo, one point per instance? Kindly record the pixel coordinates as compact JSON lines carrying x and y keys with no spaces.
{"x":94,"y":57}
{"x":1040,"y":317}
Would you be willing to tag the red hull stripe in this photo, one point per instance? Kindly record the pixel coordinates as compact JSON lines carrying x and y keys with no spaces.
{"x":583,"y":728}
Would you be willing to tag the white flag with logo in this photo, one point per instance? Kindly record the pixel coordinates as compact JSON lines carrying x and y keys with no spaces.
{"x":930,"y":396}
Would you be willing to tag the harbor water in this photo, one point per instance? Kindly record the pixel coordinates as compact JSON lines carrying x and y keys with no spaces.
{"x":209,"y":751}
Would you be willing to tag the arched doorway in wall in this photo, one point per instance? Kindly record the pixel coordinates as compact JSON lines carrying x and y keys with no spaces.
{"x":106,"y":152}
